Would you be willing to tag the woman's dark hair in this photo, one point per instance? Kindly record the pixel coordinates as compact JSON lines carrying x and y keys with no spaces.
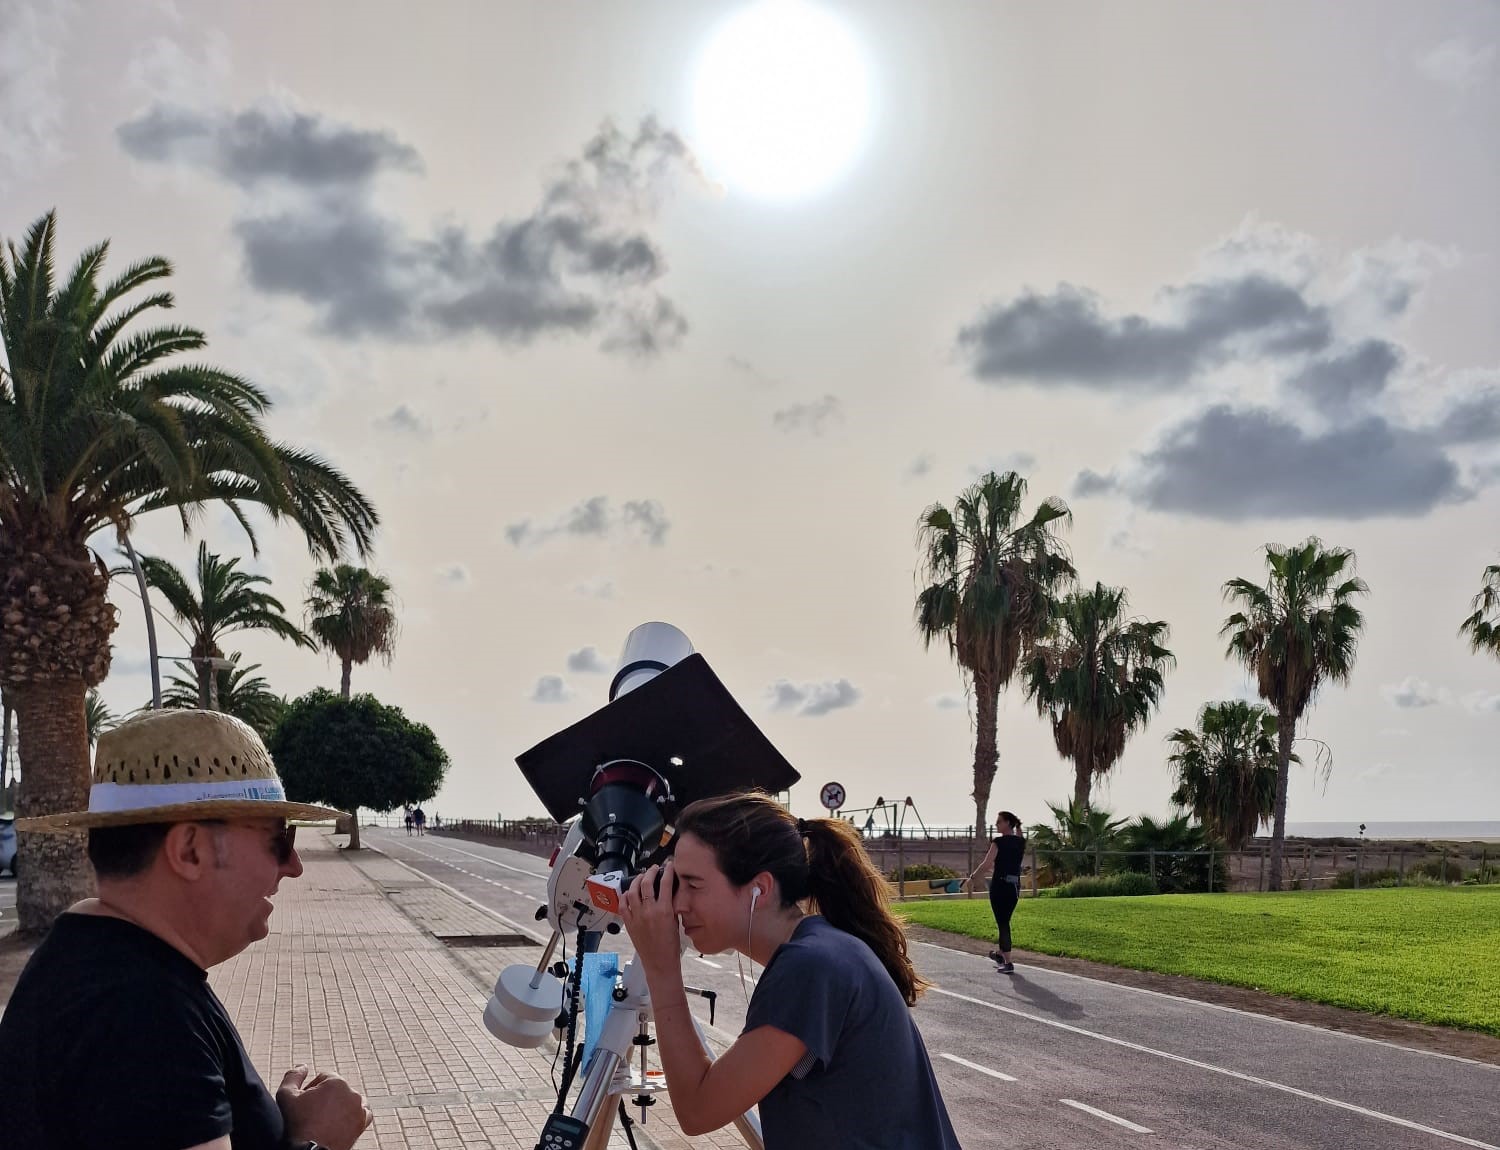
{"x":1011,"y":820}
{"x":824,"y":862}
{"x":123,"y":852}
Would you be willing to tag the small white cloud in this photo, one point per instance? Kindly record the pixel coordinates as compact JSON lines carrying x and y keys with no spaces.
{"x":1414,"y":693}
{"x":948,"y":702}
{"x":597,"y":588}
{"x":404,"y":421}
{"x":588,"y":661}
{"x":812,"y":699}
{"x":1457,"y":64}
{"x":551,"y":689}
{"x":1021,"y":462}
{"x":814,"y":418}
{"x":1482,"y":702}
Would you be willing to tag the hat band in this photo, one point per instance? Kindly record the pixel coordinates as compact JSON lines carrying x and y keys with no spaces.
{"x":141,"y":796}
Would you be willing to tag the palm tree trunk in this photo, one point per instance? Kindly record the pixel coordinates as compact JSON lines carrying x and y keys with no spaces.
{"x":986,"y":752}
{"x":55,"y":749}
{"x":213,"y":688}
{"x":1284,"y":732}
{"x":205,"y":689}
{"x":344,"y":682}
{"x":1083,"y":783}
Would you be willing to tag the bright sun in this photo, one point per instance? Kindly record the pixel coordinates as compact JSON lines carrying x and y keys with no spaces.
{"x":781,"y":100}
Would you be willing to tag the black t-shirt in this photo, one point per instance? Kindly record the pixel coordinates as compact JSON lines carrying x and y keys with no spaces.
{"x":866,"y":1082}
{"x":113,"y":1038}
{"x":1009,"y":851}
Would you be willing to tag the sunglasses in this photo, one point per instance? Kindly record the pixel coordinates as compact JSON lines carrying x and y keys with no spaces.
{"x":283,"y":839}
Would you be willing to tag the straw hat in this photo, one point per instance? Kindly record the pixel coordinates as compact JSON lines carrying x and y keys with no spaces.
{"x":176,"y":766}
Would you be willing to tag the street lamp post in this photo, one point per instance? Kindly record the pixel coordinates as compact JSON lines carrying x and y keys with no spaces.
{"x":140,"y":579}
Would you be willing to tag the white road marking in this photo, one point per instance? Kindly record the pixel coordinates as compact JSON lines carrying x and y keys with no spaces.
{"x":705,"y":962}
{"x":1245,"y":1013}
{"x":976,"y":1066}
{"x":1224,"y":1070}
{"x":492,"y":862}
{"x":1105,"y":1115}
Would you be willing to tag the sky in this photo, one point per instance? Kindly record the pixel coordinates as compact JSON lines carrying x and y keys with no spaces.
{"x":656,"y":311}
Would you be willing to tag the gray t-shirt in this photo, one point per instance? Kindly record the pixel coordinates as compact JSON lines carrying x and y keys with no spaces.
{"x":866,"y":1083}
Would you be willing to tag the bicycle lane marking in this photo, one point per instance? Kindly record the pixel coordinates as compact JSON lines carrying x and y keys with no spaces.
{"x":1240,"y":1075}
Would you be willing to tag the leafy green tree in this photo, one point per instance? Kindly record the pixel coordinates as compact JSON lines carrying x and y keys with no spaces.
{"x":97,"y":717}
{"x":1298,"y":631}
{"x":1075,"y":842}
{"x":352,"y":613}
{"x":989,"y":577}
{"x":227,"y":600}
{"x":352,"y":753}
{"x":1098,"y":675}
{"x":1483,"y":627}
{"x":1226,"y":769}
{"x":239,"y":692}
{"x":101,"y":423}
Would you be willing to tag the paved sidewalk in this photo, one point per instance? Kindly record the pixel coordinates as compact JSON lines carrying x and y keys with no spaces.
{"x":352,"y":980}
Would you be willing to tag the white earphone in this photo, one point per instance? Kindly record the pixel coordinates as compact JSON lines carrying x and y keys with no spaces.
{"x":754,"y":897}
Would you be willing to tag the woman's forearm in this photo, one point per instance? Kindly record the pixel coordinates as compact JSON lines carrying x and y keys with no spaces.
{"x":682,"y":1055}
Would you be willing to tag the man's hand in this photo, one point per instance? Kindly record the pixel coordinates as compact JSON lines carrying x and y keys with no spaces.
{"x":324,"y":1109}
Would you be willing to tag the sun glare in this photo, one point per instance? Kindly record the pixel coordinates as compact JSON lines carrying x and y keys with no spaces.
{"x":781,"y":100}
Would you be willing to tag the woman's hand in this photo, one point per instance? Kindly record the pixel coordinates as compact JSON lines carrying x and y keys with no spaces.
{"x":650,"y":920}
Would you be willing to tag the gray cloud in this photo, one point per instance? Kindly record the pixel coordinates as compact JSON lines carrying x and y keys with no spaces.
{"x":581,"y":263}
{"x":921,"y":465}
{"x":949,"y":702}
{"x":1088,"y":482}
{"x":594,"y":517}
{"x":404,"y":421}
{"x":1347,"y":381}
{"x":260,"y":145}
{"x":815,"y":417}
{"x":1237,"y":464}
{"x":1471,"y":419}
{"x":598,"y":588}
{"x":812,"y":699}
{"x":1065,"y":337}
{"x":551,"y":689}
{"x":1413,"y":693}
{"x":587,"y":660}
{"x":455,"y":575}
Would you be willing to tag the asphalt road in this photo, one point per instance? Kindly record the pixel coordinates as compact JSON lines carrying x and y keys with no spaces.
{"x":1045,"y":1059}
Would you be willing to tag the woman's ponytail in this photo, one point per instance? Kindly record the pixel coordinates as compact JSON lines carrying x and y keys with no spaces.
{"x":846,"y":889}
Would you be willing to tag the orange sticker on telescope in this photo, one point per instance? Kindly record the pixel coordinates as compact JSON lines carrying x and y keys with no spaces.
{"x":603,"y":895}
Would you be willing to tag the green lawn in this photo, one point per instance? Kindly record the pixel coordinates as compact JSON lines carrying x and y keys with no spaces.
{"x":1427,"y":954}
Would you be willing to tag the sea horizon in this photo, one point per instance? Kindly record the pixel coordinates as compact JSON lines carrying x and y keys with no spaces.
{"x":1472,"y":830}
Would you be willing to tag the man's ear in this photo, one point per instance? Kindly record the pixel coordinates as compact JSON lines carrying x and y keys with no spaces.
{"x":189,"y":850}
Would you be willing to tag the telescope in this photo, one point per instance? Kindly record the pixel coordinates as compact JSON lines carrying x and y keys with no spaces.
{"x":670,"y":734}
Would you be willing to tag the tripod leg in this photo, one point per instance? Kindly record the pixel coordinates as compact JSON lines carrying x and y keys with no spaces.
{"x":604,"y":1125}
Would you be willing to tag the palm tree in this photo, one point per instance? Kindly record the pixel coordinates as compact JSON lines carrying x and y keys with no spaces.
{"x":1179,"y":855}
{"x":1483,"y":626}
{"x":1298,"y":631}
{"x":241,"y":693}
{"x":1098,"y":675}
{"x":1076,"y":842}
{"x":97,"y":716}
{"x":1226,"y":769}
{"x":990,"y":578}
{"x":351,"y":612}
{"x":101,"y":424}
{"x":227,"y":600}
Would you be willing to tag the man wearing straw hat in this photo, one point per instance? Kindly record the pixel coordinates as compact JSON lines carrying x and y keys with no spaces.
{"x":113,"y":1036}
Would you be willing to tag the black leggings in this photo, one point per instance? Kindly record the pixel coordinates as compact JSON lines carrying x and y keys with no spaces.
{"x":1004,"y":895}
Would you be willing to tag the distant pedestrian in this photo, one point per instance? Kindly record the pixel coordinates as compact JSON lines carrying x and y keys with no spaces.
{"x":409,"y":820}
{"x":1006,"y":852}
{"x":419,"y":819}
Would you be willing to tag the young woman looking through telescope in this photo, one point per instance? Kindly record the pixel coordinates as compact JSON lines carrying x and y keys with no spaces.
{"x":829,"y":1051}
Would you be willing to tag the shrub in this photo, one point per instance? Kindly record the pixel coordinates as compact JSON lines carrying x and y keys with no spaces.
{"x":1344,"y":880}
{"x":1106,"y":886}
{"x":1451,"y":871}
{"x":917,"y":871}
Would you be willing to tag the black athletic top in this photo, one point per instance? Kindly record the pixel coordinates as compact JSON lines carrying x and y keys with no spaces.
{"x":1009,"y":851}
{"x":114,"y":1038}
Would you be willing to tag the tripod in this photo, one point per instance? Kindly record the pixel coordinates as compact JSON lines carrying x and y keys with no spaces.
{"x":608,"y":1077}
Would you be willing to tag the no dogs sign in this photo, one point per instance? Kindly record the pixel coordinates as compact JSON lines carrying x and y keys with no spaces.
{"x":832,"y":796}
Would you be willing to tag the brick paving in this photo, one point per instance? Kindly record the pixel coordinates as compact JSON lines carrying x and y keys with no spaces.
{"x":352,"y":980}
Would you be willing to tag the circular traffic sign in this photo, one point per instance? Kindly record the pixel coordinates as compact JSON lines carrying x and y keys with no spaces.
{"x":832,"y":796}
